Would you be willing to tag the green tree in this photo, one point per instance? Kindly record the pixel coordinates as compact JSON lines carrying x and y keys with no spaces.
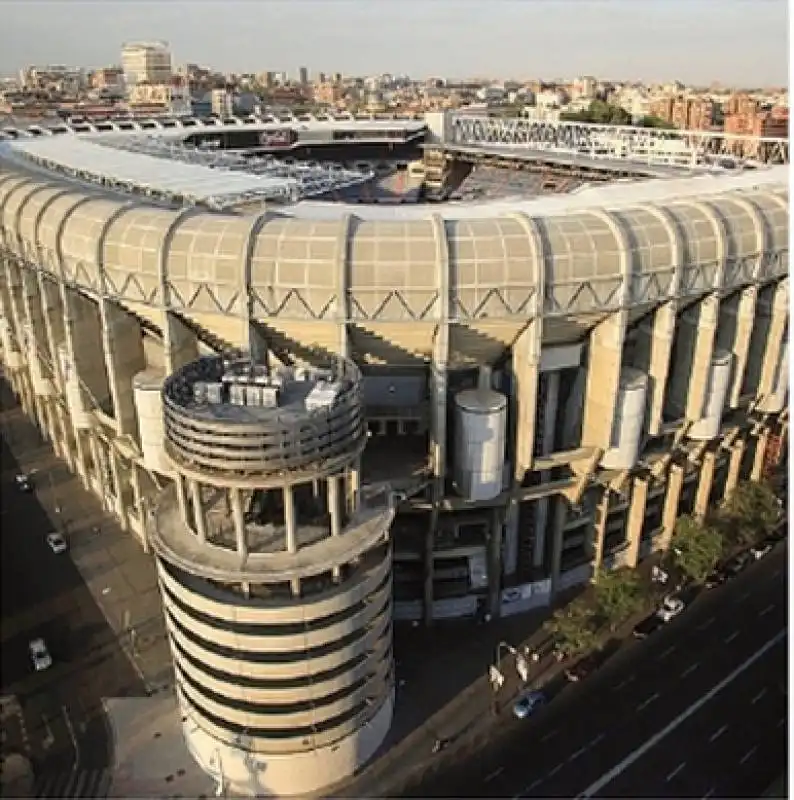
{"x":572,"y":629}
{"x":750,"y":513}
{"x":696,"y":548}
{"x":618,"y":594}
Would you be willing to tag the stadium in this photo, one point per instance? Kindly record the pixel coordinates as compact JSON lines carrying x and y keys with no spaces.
{"x":326,"y":407}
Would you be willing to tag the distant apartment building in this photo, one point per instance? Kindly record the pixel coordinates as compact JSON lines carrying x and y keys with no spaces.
{"x":584,"y":87}
{"x":328,"y":93}
{"x":303,"y":76}
{"x":170,"y":98}
{"x":107,"y":78}
{"x":52,"y":78}
{"x":772,"y":123}
{"x":687,"y":113}
{"x":146,"y":62}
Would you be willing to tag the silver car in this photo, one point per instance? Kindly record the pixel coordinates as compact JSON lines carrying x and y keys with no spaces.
{"x":39,"y":654}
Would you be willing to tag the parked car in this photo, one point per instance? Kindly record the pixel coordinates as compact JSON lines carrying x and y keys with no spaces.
{"x":761,"y":549}
{"x":582,"y":668}
{"x":647,"y":626}
{"x":39,"y":654}
{"x":529,"y":703}
{"x":57,"y":543}
{"x":671,"y":607}
{"x":24,"y":482}
{"x":714,"y":579}
{"x":737,"y":564}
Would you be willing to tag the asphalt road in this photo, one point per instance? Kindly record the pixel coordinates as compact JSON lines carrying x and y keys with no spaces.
{"x":696,"y":710}
{"x":44,"y":595}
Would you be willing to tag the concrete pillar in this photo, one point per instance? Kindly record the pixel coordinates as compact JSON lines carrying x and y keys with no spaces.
{"x":635,"y":520}
{"x":334,"y":506}
{"x":119,"y":481}
{"x":353,"y":486}
{"x":291,"y":526}
{"x":760,"y":456}
{"x":655,"y":337}
{"x":96,"y":476}
{"x":199,"y":520}
{"x":675,"y":483}
{"x":603,"y":380}
{"x":599,"y":531}
{"x":495,"y":563}
{"x":181,"y":497}
{"x":525,"y":373}
{"x":689,"y":377}
{"x":180,"y":343}
{"x":551,"y":403}
{"x":122,"y":343}
{"x":238,"y":517}
{"x":734,"y":466}
{"x":745,"y":319}
{"x":704,"y":484}
{"x":559,"y":516}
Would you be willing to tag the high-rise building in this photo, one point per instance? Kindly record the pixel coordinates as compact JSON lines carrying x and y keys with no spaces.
{"x":146,"y":62}
{"x":303,"y":76}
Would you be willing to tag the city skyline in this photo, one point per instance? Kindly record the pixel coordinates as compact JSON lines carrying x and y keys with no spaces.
{"x":694,"y":41}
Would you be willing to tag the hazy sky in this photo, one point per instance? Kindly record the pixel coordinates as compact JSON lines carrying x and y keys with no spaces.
{"x":742,"y":42}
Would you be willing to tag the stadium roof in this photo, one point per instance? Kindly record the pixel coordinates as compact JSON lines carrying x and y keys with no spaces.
{"x":123,"y":169}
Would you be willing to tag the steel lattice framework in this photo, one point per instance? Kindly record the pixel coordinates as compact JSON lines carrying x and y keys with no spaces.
{"x":618,"y":142}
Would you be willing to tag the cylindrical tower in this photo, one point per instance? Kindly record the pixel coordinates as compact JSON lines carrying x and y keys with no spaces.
{"x":275,"y":571}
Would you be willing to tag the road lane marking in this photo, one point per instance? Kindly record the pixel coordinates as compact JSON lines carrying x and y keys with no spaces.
{"x":652,"y":741}
{"x":623,"y":683}
{"x":716,"y":735}
{"x":495,"y":774}
{"x":675,"y":771}
{"x":708,"y":794}
{"x":767,"y":610}
{"x":579,"y":752}
{"x":729,"y":639}
{"x":691,"y":668}
{"x":704,"y":625}
{"x":667,"y":652}
{"x":748,"y":754}
{"x":647,"y":702}
{"x":548,"y":736}
{"x":555,"y":770}
{"x":745,"y":595}
{"x":759,"y":696}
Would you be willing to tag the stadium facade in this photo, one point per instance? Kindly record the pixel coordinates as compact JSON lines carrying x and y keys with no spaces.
{"x":322,"y":418}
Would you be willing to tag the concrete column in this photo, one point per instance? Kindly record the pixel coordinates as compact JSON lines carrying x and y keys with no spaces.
{"x":37,"y":347}
{"x":122,"y":343}
{"x":734,"y":466}
{"x":291,"y":525}
{"x":599,"y":531}
{"x":675,"y":483}
{"x":199,"y":520}
{"x":704,"y":485}
{"x":636,"y":520}
{"x":745,"y":319}
{"x":760,"y":456}
{"x":181,"y":497}
{"x":119,"y":480}
{"x":551,"y":403}
{"x":689,"y":377}
{"x":655,"y":338}
{"x":180,"y":343}
{"x":334,"y":506}
{"x":525,"y":374}
{"x":353,"y":486}
{"x":560,"y":515}
{"x":97,"y":475}
{"x":495,"y":563}
{"x":603,"y":380}
{"x":238,"y":517}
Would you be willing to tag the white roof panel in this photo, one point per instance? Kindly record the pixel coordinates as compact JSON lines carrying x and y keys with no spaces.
{"x":193,"y":181}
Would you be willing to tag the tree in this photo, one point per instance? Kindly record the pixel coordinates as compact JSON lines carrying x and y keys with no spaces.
{"x":618,"y":594}
{"x":750,"y":513}
{"x":696,"y":548}
{"x":572,"y":629}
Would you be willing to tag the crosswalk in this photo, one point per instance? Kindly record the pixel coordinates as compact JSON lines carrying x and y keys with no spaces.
{"x":83,"y":783}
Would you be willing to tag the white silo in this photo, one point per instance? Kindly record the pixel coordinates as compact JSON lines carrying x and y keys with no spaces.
{"x":148,"y":389}
{"x":480,"y":425}
{"x":708,"y":426}
{"x":629,"y":420}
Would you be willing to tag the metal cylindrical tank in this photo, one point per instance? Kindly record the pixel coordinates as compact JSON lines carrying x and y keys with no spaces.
{"x":708,"y":426}
{"x":81,"y":419}
{"x":775,"y":401}
{"x":480,"y":425}
{"x":148,"y":390}
{"x":628,"y":421}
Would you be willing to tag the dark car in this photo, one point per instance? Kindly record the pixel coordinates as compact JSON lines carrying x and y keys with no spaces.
{"x":714,"y":579}
{"x":647,"y":626}
{"x":737,"y":565}
{"x":582,"y":668}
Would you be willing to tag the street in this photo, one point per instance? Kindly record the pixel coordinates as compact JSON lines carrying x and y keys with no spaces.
{"x":696,"y":710}
{"x":63,"y":730}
